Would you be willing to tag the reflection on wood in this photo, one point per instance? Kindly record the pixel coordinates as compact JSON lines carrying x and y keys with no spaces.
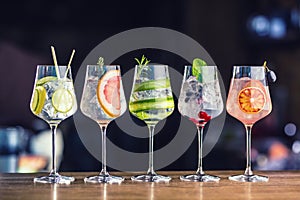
{"x":282,"y":183}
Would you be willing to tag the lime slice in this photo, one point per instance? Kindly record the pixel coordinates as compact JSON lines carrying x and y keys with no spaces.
{"x":38,"y":100}
{"x":151,"y":104}
{"x":152,"y":85}
{"x":62,"y":100}
{"x":196,"y":68}
{"x":46,"y":79}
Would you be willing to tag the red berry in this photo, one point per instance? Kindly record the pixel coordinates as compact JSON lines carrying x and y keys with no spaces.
{"x":208,"y":118}
{"x":204,"y":115}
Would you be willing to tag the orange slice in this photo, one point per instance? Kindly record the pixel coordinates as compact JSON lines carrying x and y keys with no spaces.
{"x":251,"y":99}
{"x":108,"y":93}
{"x":255,"y":83}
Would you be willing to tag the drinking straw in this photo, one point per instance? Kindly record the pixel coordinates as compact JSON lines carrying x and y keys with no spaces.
{"x":265,"y":64}
{"x":55,"y":62}
{"x":69,"y":64}
{"x":71,"y":58}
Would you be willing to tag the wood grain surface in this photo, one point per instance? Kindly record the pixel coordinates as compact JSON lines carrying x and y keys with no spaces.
{"x":282,"y":185}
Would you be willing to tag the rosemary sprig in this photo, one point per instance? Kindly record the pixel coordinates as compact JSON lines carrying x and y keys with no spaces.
{"x":143,"y":62}
{"x":100,"y":61}
{"x":142,"y":65}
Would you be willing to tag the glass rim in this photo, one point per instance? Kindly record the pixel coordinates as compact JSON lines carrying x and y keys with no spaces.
{"x":95,"y":65}
{"x":202,"y":66}
{"x":159,"y":65}
{"x":252,"y":66}
{"x":52,"y":65}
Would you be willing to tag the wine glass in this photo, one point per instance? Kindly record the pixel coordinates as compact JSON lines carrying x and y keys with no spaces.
{"x":200,"y":100}
{"x":151,"y":100}
{"x":103,"y":100}
{"x":53,"y":99}
{"x":249,"y":101}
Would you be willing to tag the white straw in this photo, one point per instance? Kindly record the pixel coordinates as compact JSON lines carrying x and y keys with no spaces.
{"x":55,"y":62}
{"x":69,"y":64}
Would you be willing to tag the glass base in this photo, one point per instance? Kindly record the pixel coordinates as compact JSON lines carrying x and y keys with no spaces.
{"x":104,"y":179}
{"x":54,"y":178}
{"x":151,"y":178}
{"x":249,"y":178}
{"x":200,"y":178}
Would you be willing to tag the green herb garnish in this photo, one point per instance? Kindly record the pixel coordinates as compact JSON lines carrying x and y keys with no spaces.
{"x":142,"y":65}
{"x":196,"y":68}
{"x":100,"y":61}
{"x":143,"y":62}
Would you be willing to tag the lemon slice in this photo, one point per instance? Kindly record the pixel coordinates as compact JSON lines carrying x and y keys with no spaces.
{"x":46,"y":79}
{"x":108,"y":93}
{"x":62,"y":100}
{"x":38,"y":100}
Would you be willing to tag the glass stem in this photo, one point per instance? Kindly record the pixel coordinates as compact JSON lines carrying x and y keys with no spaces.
{"x":53,"y":130}
{"x":103,"y":137}
{"x":200,"y":141}
{"x":248,"y":170}
{"x":151,"y":135}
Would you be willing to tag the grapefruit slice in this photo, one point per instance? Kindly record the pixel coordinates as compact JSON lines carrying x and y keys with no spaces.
{"x":38,"y":100}
{"x":251,"y":99}
{"x":108,"y":93}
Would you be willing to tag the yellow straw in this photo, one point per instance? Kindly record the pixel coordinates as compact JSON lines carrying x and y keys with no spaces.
{"x":265,"y":64}
{"x":55,"y":62}
{"x":69,"y":64}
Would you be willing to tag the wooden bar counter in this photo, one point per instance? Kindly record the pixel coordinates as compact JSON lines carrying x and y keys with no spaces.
{"x":282,"y":185}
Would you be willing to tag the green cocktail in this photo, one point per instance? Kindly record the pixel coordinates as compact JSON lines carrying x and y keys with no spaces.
{"x":151,"y":100}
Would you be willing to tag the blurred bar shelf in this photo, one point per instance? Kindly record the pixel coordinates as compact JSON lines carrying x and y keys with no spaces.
{"x":282,"y":185}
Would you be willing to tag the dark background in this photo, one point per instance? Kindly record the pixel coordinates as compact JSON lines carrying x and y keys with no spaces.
{"x":229,"y":30}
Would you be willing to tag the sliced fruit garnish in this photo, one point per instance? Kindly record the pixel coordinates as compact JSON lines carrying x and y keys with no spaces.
{"x":62,"y":100}
{"x":108,"y":93}
{"x":151,"y":104}
{"x":255,"y":83}
{"x":196,"y":68}
{"x":251,"y":100}
{"x":46,"y":79}
{"x":38,"y":100}
{"x":152,"y":85}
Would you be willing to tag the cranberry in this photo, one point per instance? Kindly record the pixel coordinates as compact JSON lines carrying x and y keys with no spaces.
{"x":204,"y":115}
